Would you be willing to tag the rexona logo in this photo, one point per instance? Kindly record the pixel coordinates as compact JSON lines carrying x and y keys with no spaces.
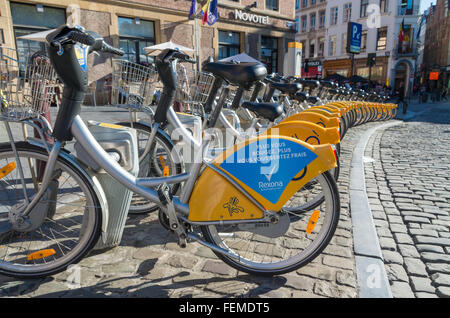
{"x":263,"y":186}
{"x":250,"y":17}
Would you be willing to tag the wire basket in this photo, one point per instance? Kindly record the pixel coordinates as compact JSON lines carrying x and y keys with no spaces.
{"x":193,"y":90}
{"x":133,"y":85}
{"x":26,"y":88}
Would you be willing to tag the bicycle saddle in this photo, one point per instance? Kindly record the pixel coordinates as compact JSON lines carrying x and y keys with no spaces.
{"x":328,"y":84}
{"x":301,"y":96}
{"x":268,"y":111}
{"x":312,"y":84}
{"x":313,"y":99}
{"x":287,"y":88}
{"x":242,"y":74}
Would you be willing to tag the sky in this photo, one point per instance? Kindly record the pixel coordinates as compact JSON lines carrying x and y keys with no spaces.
{"x":425,"y":4}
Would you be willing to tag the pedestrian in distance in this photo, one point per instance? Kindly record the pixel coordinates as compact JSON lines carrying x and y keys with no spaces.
{"x":401,"y":97}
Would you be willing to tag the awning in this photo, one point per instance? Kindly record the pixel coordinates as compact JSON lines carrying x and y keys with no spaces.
{"x":155,"y":49}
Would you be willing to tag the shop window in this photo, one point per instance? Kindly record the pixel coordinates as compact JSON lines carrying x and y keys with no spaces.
{"x":381,"y":39}
{"x":134,"y":35}
{"x":272,"y":5}
{"x":269,"y":53}
{"x":27,"y":19}
{"x":229,"y":44}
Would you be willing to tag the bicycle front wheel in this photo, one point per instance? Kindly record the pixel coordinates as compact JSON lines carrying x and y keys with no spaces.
{"x":264,"y":253}
{"x":66,"y":222}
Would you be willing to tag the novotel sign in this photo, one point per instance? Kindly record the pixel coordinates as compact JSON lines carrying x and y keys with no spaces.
{"x":250,"y":17}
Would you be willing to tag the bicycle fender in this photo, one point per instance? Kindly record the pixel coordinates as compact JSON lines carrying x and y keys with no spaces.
{"x":256,"y":175}
{"x":307,"y":132}
{"x":315,"y":118}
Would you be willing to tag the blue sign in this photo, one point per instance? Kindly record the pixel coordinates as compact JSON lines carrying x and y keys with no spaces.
{"x":354,"y":34}
{"x":268,"y":165}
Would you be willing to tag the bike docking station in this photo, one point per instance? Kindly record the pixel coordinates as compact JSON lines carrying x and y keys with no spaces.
{"x":121,"y":144}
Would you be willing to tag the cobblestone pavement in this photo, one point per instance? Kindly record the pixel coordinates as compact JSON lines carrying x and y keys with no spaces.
{"x":408,"y":186}
{"x":148,"y":262}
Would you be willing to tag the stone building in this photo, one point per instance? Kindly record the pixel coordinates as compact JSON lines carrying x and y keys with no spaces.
{"x":436,"y":53}
{"x":260,"y":28}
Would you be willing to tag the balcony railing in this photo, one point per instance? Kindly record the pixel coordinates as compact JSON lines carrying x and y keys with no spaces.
{"x":405,"y":51}
{"x":405,"y":11}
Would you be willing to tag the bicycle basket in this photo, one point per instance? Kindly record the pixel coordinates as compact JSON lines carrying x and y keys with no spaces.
{"x":26,"y":88}
{"x":193,"y":90}
{"x":133,"y":85}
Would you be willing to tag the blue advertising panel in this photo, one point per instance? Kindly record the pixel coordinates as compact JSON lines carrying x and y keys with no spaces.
{"x":354,"y":34}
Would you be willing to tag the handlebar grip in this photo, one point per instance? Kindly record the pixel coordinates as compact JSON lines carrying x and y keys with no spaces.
{"x":81,"y":37}
{"x":110,"y":49}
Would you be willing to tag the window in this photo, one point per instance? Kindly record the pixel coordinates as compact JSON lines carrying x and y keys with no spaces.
{"x":332,"y":45}
{"x":269,"y":53}
{"x":229,"y":44}
{"x":312,"y":21}
{"x":2,"y":37}
{"x":304,"y":23}
{"x":321,"y":46}
{"x":26,"y":20}
{"x":333,"y":15}
{"x":347,"y":12}
{"x":344,"y":43}
{"x":297,"y":23}
{"x":381,"y":38}
{"x":384,"y":6}
{"x":297,"y":4}
{"x":272,"y":5}
{"x":134,"y":36}
{"x":321,"y":19}
{"x":304,"y":3}
{"x":363,"y":9}
{"x":363,"y":40}
{"x":313,"y":2}
{"x":312,"y":46}
{"x":407,"y":7}
{"x":303,"y":48}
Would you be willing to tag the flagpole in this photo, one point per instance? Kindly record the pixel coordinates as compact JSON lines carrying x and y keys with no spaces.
{"x":197,"y":45}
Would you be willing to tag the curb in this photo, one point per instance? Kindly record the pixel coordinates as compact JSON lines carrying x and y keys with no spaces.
{"x":370,"y":270}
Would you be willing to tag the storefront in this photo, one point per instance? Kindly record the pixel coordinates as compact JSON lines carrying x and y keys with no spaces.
{"x":133,"y":25}
{"x":312,"y":69}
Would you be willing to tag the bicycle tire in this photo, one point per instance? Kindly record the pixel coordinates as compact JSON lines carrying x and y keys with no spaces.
{"x":148,"y":206}
{"x":211,"y":235}
{"x":89,"y":233}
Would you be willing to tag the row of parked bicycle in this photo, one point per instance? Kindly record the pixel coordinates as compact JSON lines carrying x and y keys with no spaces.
{"x":265,"y":201}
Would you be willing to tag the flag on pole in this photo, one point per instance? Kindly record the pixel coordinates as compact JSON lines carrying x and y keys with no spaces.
{"x":204,"y":11}
{"x":401,"y":35}
{"x":193,"y":8}
{"x":213,"y":14}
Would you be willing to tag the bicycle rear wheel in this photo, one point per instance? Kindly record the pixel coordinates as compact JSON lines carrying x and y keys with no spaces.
{"x":66,"y":223}
{"x":308,"y":233}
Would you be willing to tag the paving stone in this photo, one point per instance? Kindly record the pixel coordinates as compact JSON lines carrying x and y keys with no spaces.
{"x":217,"y":267}
{"x":299,"y":282}
{"x":340,"y":262}
{"x":408,"y":251}
{"x":425,"y":295}
{"x":416,"y":219}
{"x":401,"y":290}
{"x":328,"y":290}
{"x":421,"y":284}
{"x":402,"y":238}
{"x":441,"y":279}
{"x":387,"y":243}
{"x":431,"y":240}
{"x":398,"y":228}
{"x":415,"y":266}
{"x":443,"y":291}
{"x":424,"y":232}
{"x":429,"y":248}
{"x":438,"y":267}
{"x":392,"y":257}
{"x":396,"y":272}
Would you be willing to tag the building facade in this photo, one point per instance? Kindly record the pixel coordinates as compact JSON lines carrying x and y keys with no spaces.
{"x":436,"y":51}
{"x":381,"y":21}
{"x":310,"y":19}
{"x":260,"y":28}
